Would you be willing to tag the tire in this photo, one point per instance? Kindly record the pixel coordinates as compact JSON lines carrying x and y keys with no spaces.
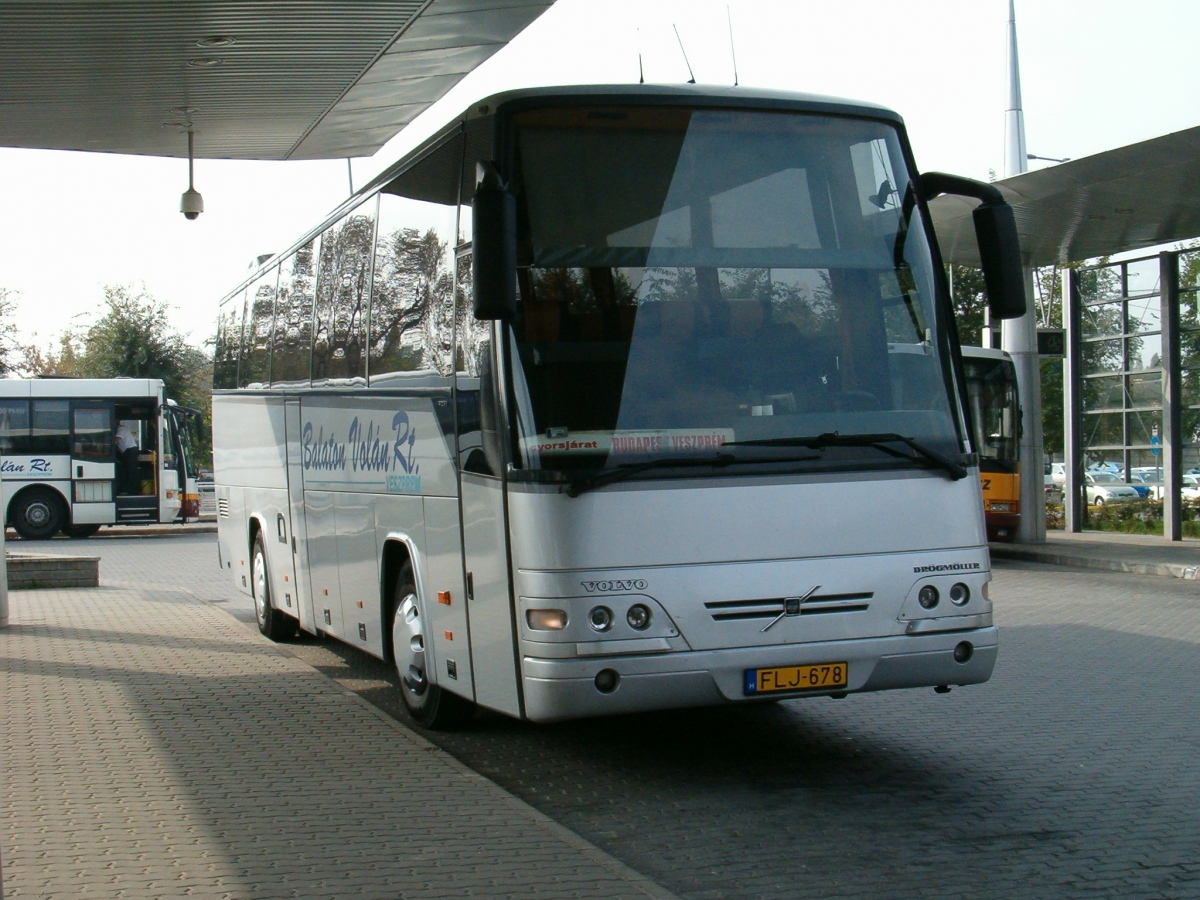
{"x":1099,"y":501}
{"x":80,"y":531}
{"x":276,"y":625}
{"x":38,"y":514}
{"x":426,"y":702}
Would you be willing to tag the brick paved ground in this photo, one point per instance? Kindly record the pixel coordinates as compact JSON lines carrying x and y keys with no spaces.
{"x":1073,"y":773}
{"x":154,"y":747}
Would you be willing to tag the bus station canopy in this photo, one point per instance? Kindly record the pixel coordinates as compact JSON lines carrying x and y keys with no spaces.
{"x":1130,"y":198}
{"x":254,"y":80}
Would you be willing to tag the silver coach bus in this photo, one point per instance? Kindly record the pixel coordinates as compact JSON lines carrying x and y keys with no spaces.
{"x":619,"y":398}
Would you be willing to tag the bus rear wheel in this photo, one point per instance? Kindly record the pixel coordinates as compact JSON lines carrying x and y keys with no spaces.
{"x":38,"y":514}
{"x":426,"y":702}
{"x":274,"y":624}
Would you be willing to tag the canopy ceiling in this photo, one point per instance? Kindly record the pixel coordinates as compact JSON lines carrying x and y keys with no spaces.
{"x":1125,"y":199}
{"x":255,"y":79}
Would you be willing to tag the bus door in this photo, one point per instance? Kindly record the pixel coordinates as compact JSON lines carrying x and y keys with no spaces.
{"x":484,"y":526}
{"x":297,"y":599}
{"x":93,"y":463}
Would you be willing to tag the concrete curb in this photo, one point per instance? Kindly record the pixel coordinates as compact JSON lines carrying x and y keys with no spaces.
{"x":1053,"y":557}
{"x":27,"y":571}
{"x":121,"y":531}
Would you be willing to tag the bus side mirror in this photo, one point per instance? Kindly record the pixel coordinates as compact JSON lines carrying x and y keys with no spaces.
{"x":996,"y":233}
{"x":493,"y":246}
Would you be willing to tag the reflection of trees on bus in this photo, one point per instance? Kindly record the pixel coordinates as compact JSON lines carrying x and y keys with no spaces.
{"x":343,"y":285}
{"x":411,"y":317}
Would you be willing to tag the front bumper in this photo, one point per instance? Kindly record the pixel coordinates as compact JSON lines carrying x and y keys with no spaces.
{"x":558,"y":689}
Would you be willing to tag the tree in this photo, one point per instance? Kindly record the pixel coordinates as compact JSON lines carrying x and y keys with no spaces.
{"x":134,"y":339}
{"x":968,"y":294}
{"x":9,"y":347}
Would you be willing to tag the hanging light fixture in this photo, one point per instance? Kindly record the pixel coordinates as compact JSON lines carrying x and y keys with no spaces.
{"x":191,"y":204}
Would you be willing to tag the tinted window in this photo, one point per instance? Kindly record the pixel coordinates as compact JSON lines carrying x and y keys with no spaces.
{"x":291,"y":352}
{"x":229,"y":340}
{"x":691,"y":279}
{"x":412,"y":317}
{"x":255,"y":366}
{"x":51,"y":431}
{"x":343,"y":286}
{"x":14,"y":426}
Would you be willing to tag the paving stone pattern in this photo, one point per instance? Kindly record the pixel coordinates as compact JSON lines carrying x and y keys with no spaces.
{"x":154,"y":747}
{"x":1072,"y":774}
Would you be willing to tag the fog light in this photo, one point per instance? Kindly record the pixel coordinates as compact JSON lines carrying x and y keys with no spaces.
{"x":960,"y":594}
{"x":963,"y":652}
{"x":600,"y":618}
{"x":607,"y":681}
{"x":638,"y":617}
{"x":928,"y":597}
{"x":546,"y":619}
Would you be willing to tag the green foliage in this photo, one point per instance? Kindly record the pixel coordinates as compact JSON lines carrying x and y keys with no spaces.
{"x":133,"y":338}
{"x":1133,"y":517}
{"x":969,"y":296}
{"x":10,"y":349}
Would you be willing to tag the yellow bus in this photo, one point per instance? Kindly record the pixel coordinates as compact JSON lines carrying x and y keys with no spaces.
{"x":996,"y":420}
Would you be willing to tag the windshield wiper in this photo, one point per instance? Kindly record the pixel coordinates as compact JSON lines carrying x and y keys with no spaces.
{"x":627,"y":470}
{"x":879,"y":441}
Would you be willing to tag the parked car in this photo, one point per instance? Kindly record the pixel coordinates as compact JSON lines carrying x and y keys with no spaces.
{"x":1143,"y":484}
{"x":1104,"y":487}
{"x":1190,"y":489}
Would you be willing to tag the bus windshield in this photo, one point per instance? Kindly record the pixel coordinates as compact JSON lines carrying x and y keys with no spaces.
{"x":710,"y":283}
{"x":992,"y":401}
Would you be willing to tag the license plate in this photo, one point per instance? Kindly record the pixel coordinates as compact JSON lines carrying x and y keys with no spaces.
{"x":796,"y":678}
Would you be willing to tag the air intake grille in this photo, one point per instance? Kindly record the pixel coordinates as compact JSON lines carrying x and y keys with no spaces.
{"x":817,"y":604}
{"x":223,"y":507}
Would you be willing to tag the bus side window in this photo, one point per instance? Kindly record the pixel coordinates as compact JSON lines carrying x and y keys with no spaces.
{"x":14,"y":426}
{"x":291,"y":338}
{"x":51,"y":433}
{"x":93,"y":433}
{"x":343,"y":289}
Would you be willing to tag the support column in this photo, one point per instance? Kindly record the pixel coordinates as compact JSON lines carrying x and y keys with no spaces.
{"x":1172,"y":444}
{"x":1019,"y":340}
{"x":1073,"y":507}
{"x":1019,"y":336}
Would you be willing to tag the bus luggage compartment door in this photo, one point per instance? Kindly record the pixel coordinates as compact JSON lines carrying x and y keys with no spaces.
{"x":489,"y":603}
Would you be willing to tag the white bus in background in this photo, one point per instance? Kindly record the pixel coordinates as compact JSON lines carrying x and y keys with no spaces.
{"x":79,"y":453}
{"x":619,"y":398}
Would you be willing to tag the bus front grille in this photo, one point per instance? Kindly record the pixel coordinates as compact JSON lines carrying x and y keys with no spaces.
{"x":770,"y":608}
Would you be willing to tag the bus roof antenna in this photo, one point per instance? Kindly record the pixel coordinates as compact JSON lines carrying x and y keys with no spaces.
{"x":641,"y":71}
{"x":691,"y":77}
{"x":732,"y":50}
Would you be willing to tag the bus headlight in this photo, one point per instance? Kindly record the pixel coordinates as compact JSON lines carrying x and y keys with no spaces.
{"x":600,"y":618}
{"x":928,"y":597}
{"x":546,"y":619}
{"x":638,"y":617}
{"x":960,"y":594}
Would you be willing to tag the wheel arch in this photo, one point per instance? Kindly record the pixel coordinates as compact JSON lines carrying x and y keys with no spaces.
{"x":51,"y":486}
{"x":397,"y":550}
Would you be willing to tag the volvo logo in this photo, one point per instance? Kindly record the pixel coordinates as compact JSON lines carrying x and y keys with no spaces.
{"x":791,"y":606}
{"x":605,"y":587}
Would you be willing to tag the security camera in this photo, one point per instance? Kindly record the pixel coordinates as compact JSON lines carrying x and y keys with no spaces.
{"x":191,"y":204}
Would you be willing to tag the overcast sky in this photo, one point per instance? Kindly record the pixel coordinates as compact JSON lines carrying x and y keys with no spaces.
{"x":1096,"y":74}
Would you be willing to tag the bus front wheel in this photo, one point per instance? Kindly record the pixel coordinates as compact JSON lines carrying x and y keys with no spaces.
{"x":426,"y":702}
{"x":274,"y":624}
{"x":38,"y":514}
